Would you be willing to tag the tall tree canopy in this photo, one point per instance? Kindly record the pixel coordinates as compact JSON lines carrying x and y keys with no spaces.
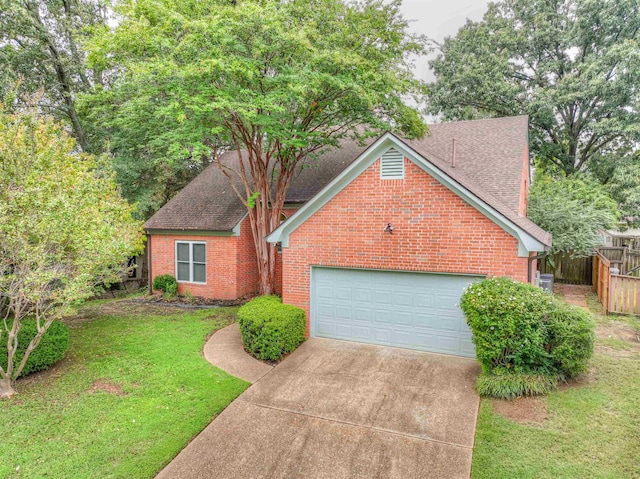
{"x":281,"y":80}
{"x":574,"y":211}
{"x":41,"y":49}
{"x":571,"y":65}
{"x":64,"y":229}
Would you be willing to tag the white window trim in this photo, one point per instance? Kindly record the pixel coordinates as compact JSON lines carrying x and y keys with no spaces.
{"x":190,"y":243}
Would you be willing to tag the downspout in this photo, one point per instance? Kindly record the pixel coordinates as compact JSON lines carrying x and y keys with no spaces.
{"x":530,"y":262}
{"x":149,"y":273}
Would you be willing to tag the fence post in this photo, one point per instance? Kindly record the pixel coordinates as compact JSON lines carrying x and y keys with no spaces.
{"x":605,"y":291}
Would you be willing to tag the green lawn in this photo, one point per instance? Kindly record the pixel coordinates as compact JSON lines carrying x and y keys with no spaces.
{"x":592,"y":428}
{"x":133,"y":390}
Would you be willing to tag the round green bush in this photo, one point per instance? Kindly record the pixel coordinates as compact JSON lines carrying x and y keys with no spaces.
{"x":165,"y":283}
{"x":505,"y":317}
{"x":53,"y":345}
{"x":571,"y":339}
{"x":525,"y":339}
{"x":271,"y":329}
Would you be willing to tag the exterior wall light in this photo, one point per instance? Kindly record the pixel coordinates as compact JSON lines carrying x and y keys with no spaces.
{"x":388,"y":228}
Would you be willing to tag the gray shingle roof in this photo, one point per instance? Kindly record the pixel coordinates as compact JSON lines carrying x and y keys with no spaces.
{"x":489,"y":155}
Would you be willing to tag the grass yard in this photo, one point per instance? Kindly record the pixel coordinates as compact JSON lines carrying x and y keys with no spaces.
{"x":587,"y":429}
{"x":132,"y":391}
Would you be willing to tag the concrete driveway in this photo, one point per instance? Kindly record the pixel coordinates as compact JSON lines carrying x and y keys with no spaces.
{"x":337,"y":409}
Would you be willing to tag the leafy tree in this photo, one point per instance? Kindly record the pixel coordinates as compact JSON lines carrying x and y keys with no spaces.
{"x":64,"y":230}
{"x":573,"y":210}
{"x":619,"y":172}
{"x":41,"y":49}
{"x":571,"y":65}
{"x":279,"y":80}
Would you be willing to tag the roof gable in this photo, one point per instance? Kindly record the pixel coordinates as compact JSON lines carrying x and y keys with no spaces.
{"x":530,"y":237}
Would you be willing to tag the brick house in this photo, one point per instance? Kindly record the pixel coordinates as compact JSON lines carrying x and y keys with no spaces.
{"x":379,"y":241}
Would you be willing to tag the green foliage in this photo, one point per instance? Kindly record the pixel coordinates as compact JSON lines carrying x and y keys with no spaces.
{"x":571,"y":65}
{"x":524,"y":337}
{"x":53,"y":345}
{"x":505,"y":318}
{"x":65,"y":228}
{"x":619,"y":172}
{"x":42,"y":55}
{"x":571,"y":338}
{"x":279,"y":79}
{"x":512,"y":385}
{"x":133,"y":392}
{"x":573,"y":210}
{"x":165,"y":283}
{"x":269,"y":328}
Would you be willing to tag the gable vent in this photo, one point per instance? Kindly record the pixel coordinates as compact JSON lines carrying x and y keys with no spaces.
{"x":392,"y":165}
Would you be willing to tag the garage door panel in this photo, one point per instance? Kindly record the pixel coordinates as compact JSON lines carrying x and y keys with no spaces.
{"x":402,"y":309}
{"x":422,"y":300}
{"x":383,"y":297}
{"x":382,"y":316}
{"x":402,"y":299}
{"x":363,"y":314}
{"x":362,"y":295}
{"x":382,"y":336}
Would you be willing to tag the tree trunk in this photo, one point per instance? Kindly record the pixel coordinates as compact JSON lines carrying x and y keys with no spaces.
{"x":6,"y":388}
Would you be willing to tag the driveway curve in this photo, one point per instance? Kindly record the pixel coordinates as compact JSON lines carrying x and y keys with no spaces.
{"x":336,"y":409}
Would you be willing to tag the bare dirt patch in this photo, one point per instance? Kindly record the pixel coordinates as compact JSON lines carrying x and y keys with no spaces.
{"x":108,"y":387}
{"x":127,"y":307}
{"x":618,"y":330}
{"x":618,"y":339}
{"x":525,"y":410}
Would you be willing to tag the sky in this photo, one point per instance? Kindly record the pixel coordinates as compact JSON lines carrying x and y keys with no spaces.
{"x":438,"y":19}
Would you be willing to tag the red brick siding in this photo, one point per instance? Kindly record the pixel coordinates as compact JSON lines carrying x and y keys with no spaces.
{"x":231,"y":264}
{"x":278,"y":286}
{"x":435,"y":230}
{"x":247,"y":280}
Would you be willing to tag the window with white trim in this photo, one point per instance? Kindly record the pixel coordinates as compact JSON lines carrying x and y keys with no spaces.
{"x":392,"y":165}
{"x":191,"y":262}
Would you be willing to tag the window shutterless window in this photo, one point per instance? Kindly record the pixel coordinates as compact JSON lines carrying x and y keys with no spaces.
{"x":191,"y":262}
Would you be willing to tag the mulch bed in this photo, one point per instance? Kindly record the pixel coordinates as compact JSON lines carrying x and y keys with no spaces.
{"x":191,"y":302}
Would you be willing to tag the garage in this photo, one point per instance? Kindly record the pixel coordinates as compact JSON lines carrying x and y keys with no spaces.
{"x":391,"y":308}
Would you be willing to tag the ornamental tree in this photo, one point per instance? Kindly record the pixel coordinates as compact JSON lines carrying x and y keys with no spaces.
{"x":64,"y":229}
{"x":280,"y":80}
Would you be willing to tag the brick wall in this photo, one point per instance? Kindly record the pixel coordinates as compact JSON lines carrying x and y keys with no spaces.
{"x":231,"y":263}
{"x":435,"y":230}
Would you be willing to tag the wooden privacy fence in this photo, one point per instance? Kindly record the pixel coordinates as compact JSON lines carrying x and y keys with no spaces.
{"x":617,"y":293}
{"x":625,"y":259}
{"x":568,"y":269}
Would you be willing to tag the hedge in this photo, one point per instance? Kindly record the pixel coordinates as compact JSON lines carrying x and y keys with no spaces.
{"x":526,"y":340}
{"x":53,"y":345}
{"x":271,"y":329}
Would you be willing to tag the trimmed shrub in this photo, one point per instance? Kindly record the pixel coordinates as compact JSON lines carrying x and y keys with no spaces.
{"x":505,"y":317}
{"x":165,"y":283}
{"x":53,"y":345}
{"x":269,"y":328}
{"x":526,"y":340}
{"x":571,"y":339}
{"x":509,"y":385}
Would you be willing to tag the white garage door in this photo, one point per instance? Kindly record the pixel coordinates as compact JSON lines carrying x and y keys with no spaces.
{"x":391,"y":308}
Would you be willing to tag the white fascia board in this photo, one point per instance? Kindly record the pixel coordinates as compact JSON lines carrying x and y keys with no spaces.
{"x":526,"y":242}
